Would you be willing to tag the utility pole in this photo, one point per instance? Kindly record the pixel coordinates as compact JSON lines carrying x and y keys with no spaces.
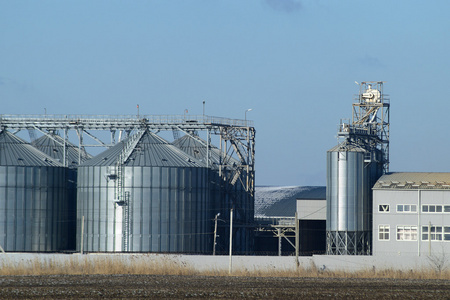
{"x":215,"y":233}
{"x":231,"y":242}
{"x":297,"y":239}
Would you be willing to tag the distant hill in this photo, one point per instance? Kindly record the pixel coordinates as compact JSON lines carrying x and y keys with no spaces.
{"x":280,"y":201}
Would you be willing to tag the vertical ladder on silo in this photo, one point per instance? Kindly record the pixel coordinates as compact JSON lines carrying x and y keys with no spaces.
{"x":123,"y":198}
{"x":126,"y":221}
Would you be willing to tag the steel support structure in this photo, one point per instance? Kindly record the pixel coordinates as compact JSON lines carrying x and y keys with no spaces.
{"x":282,"y":227}
{"x":237,"y":136}
{"x":369,"y":128}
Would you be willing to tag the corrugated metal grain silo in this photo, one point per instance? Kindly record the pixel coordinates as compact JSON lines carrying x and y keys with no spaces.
{"x":351,"y":173}
{"x":33,"y":198}
{"x":54,"y":146}
{"x":225,"y":196}
{"x":63,"y":151}
{"x":144,"y":195}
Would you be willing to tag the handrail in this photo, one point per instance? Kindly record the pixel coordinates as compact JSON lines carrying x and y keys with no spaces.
{"x":145,"y":119}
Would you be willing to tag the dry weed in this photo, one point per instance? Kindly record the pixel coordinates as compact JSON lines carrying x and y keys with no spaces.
{"x":166,"y":265}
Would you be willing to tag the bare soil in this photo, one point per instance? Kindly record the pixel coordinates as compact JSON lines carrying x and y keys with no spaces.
{"x":212,"y":287}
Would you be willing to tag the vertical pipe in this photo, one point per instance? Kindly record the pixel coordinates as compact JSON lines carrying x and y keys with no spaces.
{"x":82,"y":235}
{"x":429,"y":238}
{"x":215,"y":234}
{"x":279,"y":241}
{"x":64,"y":148}
{"x":208,"y":141}
{"x":419,"y":227}
{"x":230,"y":267}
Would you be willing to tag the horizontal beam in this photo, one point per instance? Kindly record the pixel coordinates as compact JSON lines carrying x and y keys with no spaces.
{"x":119,"y":122}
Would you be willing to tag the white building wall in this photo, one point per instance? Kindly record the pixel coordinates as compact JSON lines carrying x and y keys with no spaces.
{"x":312,"y":209}
{"x":407,"y":234}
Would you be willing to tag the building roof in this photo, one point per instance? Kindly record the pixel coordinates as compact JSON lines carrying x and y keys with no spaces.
{"x":413,"y":180}
{"x":16,"y":152}
{"x":53,"y":146}
{"x":149,"y":151}
{"x":281,"y":201}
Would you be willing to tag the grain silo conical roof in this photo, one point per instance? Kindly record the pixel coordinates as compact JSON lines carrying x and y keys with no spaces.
{"x":197,"y":148}
{"x":16,"y":152}
{"x":53,"y":146}
{"x":149,"y":151}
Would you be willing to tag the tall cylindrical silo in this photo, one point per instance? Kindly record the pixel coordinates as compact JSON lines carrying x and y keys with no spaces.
{"x":34,"y":206}
{"x":71,"y":156}
{"x":351,"y":173}
{"x":144,"y":195}
{"x":225,"y":195}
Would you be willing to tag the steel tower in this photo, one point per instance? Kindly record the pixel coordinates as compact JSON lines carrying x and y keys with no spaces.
{"x":353,"y":166}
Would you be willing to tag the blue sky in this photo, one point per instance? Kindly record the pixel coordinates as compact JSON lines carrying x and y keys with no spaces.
{"x":294,"y":62}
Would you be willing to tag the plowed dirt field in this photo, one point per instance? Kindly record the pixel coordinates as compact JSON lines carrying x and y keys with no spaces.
{"x":208,"y":287}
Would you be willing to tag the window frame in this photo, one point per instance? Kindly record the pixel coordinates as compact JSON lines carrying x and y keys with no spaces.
{"x":408,"y":231}
{"x":381,"y":210}
{"x":409,"y":211}
{"x":434,"y":208}
{"x":435,"y":232}
{"x":384,"y":229}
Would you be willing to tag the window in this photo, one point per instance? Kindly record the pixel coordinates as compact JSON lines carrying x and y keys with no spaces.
{"x":407,"y":208}
{"x":447,"y":233}
{"x":383,"y":208}
{"x":435,"y":208}
{"x":406,"y":233}
{"x":435,"y":233}
{"x":383,"y":232}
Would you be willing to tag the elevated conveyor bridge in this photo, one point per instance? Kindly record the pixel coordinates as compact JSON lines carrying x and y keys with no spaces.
{"x":237,"y":137}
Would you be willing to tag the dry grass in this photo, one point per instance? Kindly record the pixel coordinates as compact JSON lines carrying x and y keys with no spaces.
{"x":164,"y":265}
{"x":99,"y":265}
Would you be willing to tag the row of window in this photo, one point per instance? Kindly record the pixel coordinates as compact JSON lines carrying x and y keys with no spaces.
{"x":409,"y":233}
{"x":412,"y":208}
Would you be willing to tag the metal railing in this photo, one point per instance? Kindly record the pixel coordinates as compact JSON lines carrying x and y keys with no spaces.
{"x":23,"y":121}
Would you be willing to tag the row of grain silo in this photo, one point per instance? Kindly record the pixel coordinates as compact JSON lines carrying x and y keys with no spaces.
{"x":141,"y":195}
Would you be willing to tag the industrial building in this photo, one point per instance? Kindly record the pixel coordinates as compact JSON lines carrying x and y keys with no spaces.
{"x":371,"y":211}
{"x":275,"y":212}
{"x":411,"y":214}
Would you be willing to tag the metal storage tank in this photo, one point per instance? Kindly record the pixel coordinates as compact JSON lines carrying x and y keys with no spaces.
{"x":351,"y":173}
{"x":144,"y":195}
{"x":33,"y":198}
{"x":225,"y":197}
{"x":53,"y":145}
{"x":56,"y":147}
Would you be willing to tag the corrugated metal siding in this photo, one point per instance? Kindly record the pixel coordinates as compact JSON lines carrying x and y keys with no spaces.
{"x":169,"y":209}
{"x":349,"y":200}
{"x":34,"y":205}
{"x":169,"y":205}
{"x":34,"y":210}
